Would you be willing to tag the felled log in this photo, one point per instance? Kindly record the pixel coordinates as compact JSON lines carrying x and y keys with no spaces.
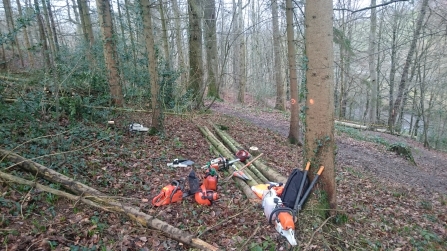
{"x":94,"y":199}
{"x":49,"y":174}
{"x":246,"y":189}
{"x":234,"y":146}
{"x":227,"y":154}
{"x":269,"y":173}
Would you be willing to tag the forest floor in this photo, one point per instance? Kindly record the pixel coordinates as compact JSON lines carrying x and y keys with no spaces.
{"x":384,"y":201}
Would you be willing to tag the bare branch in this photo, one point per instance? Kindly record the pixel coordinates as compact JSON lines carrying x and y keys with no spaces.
{"x":371,"y":7}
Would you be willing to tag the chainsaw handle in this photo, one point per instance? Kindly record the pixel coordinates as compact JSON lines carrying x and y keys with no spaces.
{"x":156,"y":199}
{"x":277,"y":211}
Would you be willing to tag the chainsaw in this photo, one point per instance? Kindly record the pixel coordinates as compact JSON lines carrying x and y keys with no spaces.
{"x":281,"y":216}
{"x":222,"y":163}
{"x":170,"y":194}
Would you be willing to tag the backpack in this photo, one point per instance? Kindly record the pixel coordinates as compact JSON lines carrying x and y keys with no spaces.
{"x":289,"y":195}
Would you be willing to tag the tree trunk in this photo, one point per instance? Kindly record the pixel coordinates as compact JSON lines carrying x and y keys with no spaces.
{"x":25,"y":34}
{"x":48,"y":31}
{"x":211,"y":47}
{"x":392,"y":75}
{"x":132,"y":37}
{"x":77,"y":20}
{"x":164,"y":33}
{"x":241,"y":51}
{"x":123,"y":37}
{"x":408,"y":61}
{"x":294,"y":130}
{"x":157,"y":117}
{"x":43,"y":40}
{"x":178,"y":43}
{"x":280,"y":96}
{"x":319,"y":140}
{"x":10,"y":26}
{"x":372,"y":55}
{"x":53,"y":27}
{"x":110,"y":55}
{"x":195,"y":53}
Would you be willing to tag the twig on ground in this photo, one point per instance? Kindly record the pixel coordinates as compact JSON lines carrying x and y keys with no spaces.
{"x":219,"y":223}
{"x":251,"y":236}
{"x":318,"y":229}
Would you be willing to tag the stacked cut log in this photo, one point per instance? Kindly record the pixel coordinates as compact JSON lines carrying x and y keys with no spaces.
{"x":268,"y":173}
{"x":94,"y":198}
{"x":258,"y":171}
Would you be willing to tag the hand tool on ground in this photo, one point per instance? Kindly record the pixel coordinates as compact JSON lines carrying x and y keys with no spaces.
{"x":283,"y":217}
{"x":245,"y":166}
{"x":181,"y":163}
{"x":223,"y":163}
{"x":169,"y":194}
{"x":205,"y":197}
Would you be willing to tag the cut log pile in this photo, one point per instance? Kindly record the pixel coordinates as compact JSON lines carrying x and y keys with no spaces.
{"x":258,"y":171}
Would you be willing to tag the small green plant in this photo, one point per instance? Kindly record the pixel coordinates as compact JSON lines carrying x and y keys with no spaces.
{"x":403,"y":150}
{"x":427,"y":205}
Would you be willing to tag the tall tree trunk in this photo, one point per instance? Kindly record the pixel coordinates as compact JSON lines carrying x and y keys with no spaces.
{"x":53,"y":27}
{"x":43,"y":40}
{"x":179,"y":43}
{"x":280,"y":95}
{"x":294,"y":130}
{"x":408,"y":61}
{"x":195,"y":53}
{"x":372,"y":55}
{"x":211,"y":47}
{"x":235,"y":37}
{"x":48,"y":31}
{"x":319,"y":140}
{"x":77,"y":20}
{"x":25,"y":34}
{"x":131,"y":36}
{"x":392,"y":75}
{"x":84,"y":11}
{"x":123,"y":36}
{"x":157,"y":118}
{"x":164,"y":33}
{"x":10,"y":25}
{"x":241,"y":43}
{"x":110,"y":54}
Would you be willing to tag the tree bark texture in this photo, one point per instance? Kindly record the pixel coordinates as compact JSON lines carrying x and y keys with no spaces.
{"x":294,"y":130}
{"x":372,"y":55}
{"x":211,"y":47}
{"x":157,"y":118}
{"x":280,"y":95}
{"x":42,"y":37}
{"x":319,"y":139}
{"x":25,"y":36}
{"x":195,"y":53}
{"x":110,"y":54}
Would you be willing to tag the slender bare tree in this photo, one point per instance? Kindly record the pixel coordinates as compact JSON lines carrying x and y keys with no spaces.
{"x":280,"y":94}
{"x":294,"y":131}
{"x":157,"y":118}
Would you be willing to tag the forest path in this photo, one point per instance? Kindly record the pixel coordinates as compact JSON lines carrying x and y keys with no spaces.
{"x":430,"y":173}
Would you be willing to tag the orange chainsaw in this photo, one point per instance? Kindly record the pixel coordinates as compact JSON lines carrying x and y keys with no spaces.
{"x":279,"y":211}
{"x":170,"y":194}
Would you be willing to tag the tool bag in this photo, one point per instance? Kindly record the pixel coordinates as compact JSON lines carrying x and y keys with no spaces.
{"x":290,"y":192}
